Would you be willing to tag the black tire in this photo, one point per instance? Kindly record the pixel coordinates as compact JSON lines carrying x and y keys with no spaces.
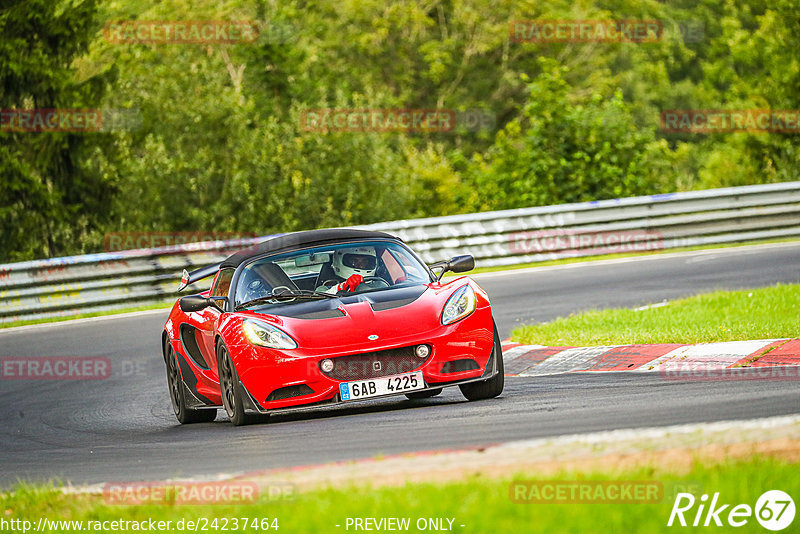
{"x":488,"y":389}
{"x":177,"y":394}
{"x":230,"y":390}
{"x":416,"y":395}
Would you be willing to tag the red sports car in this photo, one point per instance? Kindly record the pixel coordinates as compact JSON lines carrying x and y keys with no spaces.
{"x":325,"y":317}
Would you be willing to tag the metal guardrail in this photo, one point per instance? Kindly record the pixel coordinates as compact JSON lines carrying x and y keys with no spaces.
{"x":98,"y":282}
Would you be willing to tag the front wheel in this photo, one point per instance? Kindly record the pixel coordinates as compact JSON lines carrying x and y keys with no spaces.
{"x":229,"y":388}
{"x":177,"y":394}
{"x":488,"y":389}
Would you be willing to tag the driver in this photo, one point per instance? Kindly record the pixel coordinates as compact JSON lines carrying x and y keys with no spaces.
{"x":351,"y":266}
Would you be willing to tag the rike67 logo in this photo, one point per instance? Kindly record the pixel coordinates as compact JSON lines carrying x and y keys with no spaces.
{"x":774,"y":510}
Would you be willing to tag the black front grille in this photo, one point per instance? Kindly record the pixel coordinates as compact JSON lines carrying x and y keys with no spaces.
{"x":376,"y":364}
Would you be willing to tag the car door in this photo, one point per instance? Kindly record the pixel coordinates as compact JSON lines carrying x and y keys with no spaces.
{"x":208,"y":318}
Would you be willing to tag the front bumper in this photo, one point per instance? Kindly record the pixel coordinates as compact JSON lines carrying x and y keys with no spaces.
{"x":263,"y":372}
{"x":251,"y":405}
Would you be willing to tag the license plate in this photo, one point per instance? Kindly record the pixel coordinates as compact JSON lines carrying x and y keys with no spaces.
{"x":387,"y":385}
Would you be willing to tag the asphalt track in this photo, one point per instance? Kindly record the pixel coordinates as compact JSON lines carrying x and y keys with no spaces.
{"x":122,"y":428}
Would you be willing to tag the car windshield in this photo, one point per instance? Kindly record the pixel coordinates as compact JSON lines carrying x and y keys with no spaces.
{"x":312,"y":273}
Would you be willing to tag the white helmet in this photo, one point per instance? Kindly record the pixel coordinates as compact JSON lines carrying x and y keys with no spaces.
{"x":356,"y":260}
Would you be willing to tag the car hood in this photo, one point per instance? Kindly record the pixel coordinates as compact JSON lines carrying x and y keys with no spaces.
{"x":369,"y":319}
{"x":331,"y":308}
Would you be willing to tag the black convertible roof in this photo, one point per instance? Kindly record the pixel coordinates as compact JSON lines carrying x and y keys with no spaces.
{"x":281,"y":243}
{"x":294,"y":240}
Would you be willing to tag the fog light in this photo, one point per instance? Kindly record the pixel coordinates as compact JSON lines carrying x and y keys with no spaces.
{"x":326,"y":365}
{"x":422,"y":351}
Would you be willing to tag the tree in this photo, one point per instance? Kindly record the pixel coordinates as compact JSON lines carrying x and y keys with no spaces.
{"x":563,"y":149}
{"x":49,"y":203}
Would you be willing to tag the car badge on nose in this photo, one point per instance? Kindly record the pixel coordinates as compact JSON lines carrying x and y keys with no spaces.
{"x":373,"y":337}
{"x":376,"y":366}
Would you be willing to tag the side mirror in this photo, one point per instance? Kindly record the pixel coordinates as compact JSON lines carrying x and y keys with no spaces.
{"x":456,"y":264}
{"x":194,"y":303}
{"x":461,"y":264}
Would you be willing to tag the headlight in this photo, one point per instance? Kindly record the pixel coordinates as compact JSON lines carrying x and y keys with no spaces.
{"x":459,"y":305}
{"x":266,"y":335}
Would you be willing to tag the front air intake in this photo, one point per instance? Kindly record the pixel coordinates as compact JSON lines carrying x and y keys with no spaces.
{"x":288,"y":392}
{"x":459,"y":366}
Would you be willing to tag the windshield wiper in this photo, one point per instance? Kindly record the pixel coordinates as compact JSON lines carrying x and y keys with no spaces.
{"x":306,"y":293}
{"x":285,"y":294}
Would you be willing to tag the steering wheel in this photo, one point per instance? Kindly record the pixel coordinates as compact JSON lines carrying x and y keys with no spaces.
{"x":371,"y":280}
{"x":327,"y":284}
{"x":255,"y":289}
{"x":376,"y":279}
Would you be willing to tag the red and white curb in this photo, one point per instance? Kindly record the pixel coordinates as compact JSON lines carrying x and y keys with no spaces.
{"x":539,"y":360}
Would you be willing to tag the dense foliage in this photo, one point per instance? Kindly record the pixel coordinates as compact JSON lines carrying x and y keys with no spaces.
{"x":213,"y":138}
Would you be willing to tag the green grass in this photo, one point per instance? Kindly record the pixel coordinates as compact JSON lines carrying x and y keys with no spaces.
{"x":482,"y":505}
{"x":772,"y":312}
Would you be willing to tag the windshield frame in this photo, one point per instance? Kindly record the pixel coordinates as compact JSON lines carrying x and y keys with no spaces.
{"x":231,"y":301}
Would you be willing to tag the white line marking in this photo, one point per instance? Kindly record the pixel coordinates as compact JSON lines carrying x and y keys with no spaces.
{"x":76,"y":322}
{"x":611,"y":436}
{"x":661,"y":304}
